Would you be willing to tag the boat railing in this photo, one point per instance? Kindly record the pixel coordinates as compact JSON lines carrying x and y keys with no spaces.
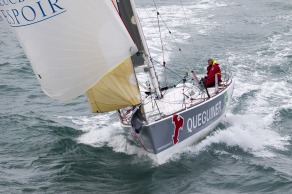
{"x":159,"y":111}
{"x":192,"y":95}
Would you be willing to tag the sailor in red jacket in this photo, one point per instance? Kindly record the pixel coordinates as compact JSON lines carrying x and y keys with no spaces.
{"x":212,"y":69}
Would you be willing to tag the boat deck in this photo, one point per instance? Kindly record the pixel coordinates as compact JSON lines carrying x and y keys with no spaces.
{"x":182,"y":97}
{"x":174,"y":100}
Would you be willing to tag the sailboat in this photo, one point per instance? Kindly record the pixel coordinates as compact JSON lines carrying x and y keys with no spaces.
{"x":94,"y":47}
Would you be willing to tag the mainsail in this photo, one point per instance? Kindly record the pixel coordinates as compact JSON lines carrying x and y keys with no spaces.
{"x":76,"y":48}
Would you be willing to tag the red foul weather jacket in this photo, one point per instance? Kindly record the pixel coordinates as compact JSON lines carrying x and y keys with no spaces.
{"x":211,"y":72}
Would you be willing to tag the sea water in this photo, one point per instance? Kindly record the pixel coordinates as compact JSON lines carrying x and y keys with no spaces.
{"x":52,"y":147}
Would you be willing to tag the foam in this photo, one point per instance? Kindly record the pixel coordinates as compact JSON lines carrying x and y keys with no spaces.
{"x":249,"y":133}
{"x":178,"y":27}
{"x":252,"y":130}
{"x":208,"y":4}
{"x":104,"y":131}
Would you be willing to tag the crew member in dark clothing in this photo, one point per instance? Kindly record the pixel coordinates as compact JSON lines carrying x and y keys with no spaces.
{"x":212,"y":69}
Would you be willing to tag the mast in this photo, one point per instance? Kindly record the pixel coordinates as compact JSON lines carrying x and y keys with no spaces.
{"x":153,"y":76}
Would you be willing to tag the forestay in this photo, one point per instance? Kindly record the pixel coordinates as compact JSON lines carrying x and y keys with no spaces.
{"x":76,"y":47}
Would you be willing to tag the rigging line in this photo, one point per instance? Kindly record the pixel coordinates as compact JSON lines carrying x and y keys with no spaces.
{"x":187,"y":59}
{"x":166,"y":68}
{"x":148,"y":54}
{"x":162,"y":48}
{"x":165,"y":48}
{"x":155,"y":5}
{"x":176,"y":44}
{"x":160,"y":35}
{"x":161,"y":41}
{"x":187,"y":21}
{"x":144,"y":7}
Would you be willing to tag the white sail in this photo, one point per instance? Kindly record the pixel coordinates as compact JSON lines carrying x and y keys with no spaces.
{"x":71,"y":45}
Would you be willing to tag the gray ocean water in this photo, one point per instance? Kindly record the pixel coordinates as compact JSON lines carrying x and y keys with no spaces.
{"x":52,"y":147}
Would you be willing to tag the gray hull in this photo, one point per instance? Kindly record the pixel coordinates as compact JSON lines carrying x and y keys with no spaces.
{"x":173,"y":133}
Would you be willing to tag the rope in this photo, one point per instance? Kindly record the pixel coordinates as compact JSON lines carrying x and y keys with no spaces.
{"x":174,"y":40}
{"x":144,"y":7}
{"x":169,"y":31}
{"x":147,"y":49}
{"x":160,"y":35}
{"x":167,"y":68}
{"x":163,"y":47}
{"x":187,"y":22}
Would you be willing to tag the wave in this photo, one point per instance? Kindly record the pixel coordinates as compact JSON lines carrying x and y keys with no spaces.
{"x":250,"y":124}
{"x":250,"y":134}
{"x":105,"y":131}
